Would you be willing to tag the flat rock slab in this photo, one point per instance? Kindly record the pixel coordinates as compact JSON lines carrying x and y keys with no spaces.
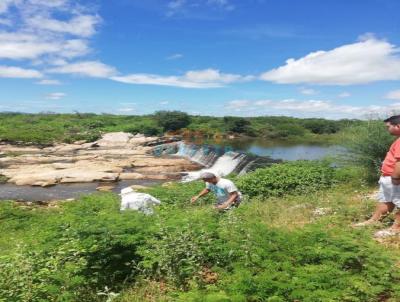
{"x":116,"y":156}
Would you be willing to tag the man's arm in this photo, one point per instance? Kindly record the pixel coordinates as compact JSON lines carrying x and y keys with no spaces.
{"x":231,"y":199}
{"x":202,"y":193}
{"x":396,"y":174}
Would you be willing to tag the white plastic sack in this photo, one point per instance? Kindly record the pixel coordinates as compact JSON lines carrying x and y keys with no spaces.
{"x":131,"y":200}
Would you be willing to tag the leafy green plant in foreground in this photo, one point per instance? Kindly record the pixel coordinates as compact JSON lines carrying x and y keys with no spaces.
{"x":88,"y":250}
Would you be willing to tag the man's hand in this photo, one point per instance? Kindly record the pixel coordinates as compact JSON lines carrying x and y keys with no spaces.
{"x":193,"y":199}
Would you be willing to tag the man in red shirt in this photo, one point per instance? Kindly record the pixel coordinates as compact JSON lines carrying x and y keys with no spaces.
{"x":389,"y":182}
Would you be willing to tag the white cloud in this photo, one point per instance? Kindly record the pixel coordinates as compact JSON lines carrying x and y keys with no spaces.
{"x":128,"y":104}
{"x":308,"y":91}
{"x":6,"y":22}
{"x":186,"y":8}
{"x":263,"y":102}
{"x":359,"y":63}
{"x":39,"y":36}
{"x":207,"y":78}
{"x":126,"y":109}
{"x":175,"y":6}
{"x":55,"y":95}
{"x":81,"y":25}
{"x":164,"y":103}
{"x":175,"y":56}
{"x":48,"y":82}
{"x":238,"y":104}
{"x":5,"y":4}
{"x":309,"y":108}
{"x":224,"y":4}
{"x":393,"y":95}
{"x":344,"y":95}
{"x":17,"y":72}
{"x":94,"y":69}
{"x":24,"y":46}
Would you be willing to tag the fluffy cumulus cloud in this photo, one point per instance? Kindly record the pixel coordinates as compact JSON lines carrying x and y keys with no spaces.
{"x":32,"y":31}
{"x":87,"y":68}
{"x":393,"y":95}
{"x":308,"y":108}
{"x":80,"y":25}
{"x":363,"y":62}
{"x":207,"y":78}
{"x":17,"y":72}
{"x":54,"y":36}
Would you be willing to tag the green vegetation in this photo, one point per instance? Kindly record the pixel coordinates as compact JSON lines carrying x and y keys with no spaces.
{"x":172,"y":120}
{"x":290,"y":240}
{"x":48,"y":128}
{"x":288,"y":178}
{"x":297,"y":247}
{"x":238,"y":125}
{"x":367,"y":144}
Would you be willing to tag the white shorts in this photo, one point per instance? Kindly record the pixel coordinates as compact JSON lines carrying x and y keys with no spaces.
{"x":388,"y":192}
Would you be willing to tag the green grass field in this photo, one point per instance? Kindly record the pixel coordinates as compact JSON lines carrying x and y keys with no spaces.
{"x":289,"y":247}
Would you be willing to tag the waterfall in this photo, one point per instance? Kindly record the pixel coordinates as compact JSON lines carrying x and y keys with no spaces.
{"x":221,"y":160}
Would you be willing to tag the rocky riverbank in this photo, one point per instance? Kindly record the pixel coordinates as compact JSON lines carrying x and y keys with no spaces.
{"x":116,"y":156}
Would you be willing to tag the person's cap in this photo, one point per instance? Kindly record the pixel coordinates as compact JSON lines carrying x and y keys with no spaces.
{"x":207,"y":175}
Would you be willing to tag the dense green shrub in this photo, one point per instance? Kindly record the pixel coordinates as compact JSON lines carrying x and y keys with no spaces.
{"x":309,"y":265}
{"x":172,"y":120}
{"x":297,"y":177}
{"x":146,"y":129}
{"x":81,"y":250}
{"x":367,"y":145}
{"x":236,"y":124}
{"x":321,"y":126}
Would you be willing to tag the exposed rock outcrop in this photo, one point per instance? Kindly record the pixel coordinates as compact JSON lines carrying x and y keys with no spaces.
{"x":116,"y":156}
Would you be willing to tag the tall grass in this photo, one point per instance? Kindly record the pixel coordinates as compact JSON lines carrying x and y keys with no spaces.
{"x":367,"y":145}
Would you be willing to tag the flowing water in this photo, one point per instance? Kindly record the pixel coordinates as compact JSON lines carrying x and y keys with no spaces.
{"x":240,"y":157}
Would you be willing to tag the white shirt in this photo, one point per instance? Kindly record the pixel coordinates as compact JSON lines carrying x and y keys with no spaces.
{"x":222,"y":189}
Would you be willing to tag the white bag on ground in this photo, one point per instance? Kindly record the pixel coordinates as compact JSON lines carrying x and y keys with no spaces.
{"x":131,"y":200}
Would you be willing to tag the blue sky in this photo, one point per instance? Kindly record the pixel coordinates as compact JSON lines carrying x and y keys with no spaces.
{"x":332,"y":59}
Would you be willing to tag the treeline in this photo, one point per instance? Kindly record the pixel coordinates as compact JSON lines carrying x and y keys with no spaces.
{"x":47,"y":128}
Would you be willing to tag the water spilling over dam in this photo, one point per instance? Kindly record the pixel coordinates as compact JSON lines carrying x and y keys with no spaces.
{"x":220,"y":160}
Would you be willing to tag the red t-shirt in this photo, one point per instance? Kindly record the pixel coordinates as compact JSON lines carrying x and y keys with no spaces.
{"x":391,"y":158}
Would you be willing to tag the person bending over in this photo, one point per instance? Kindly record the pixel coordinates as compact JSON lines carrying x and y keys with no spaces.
{"x":228,"y":195}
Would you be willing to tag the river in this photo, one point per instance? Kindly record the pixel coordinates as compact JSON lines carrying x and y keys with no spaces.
{"x":281,"y":150}
{"x":275,"y":150}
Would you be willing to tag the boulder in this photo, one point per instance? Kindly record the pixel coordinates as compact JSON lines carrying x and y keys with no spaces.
{"x":105,"y":188}
{"x":131,"y":175}
{"x":139,"y":187}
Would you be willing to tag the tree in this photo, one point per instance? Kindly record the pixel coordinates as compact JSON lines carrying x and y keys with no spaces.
{"x":172,"y":120}
{"x":236,"y":124}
